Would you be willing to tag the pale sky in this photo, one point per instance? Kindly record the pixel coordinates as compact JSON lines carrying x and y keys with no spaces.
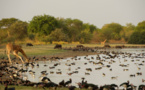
{"x":97,"y":12}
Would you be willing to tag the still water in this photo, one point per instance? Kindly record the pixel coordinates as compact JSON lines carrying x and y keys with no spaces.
{"x":132,"y":59}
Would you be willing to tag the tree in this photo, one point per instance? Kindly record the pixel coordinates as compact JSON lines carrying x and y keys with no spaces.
{"x":140,"y":26}
{"x":18,"y":30}
{"x":3,"y":35}
{"x":97,"y":36}
{"x":138,"y":36}
{"x":6,"y":23}
{"x":127,"y":31}
{"x":112,"y":31}
{"x":74,"y":27}
{"x":42,"y":25}
{"x":57,"y":35}
{"x":85,"y":36}
{"x":91,"y":27}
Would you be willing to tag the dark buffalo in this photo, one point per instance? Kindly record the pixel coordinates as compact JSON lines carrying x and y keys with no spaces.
{"x":107,"y":46}
{"x":80,"y":46}
{"x":120,"y":46}
{"x":29,"y":44}
{"x":58,"y":46}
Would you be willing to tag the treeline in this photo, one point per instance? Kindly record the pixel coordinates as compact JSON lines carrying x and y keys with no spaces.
{"x":47,"y":28}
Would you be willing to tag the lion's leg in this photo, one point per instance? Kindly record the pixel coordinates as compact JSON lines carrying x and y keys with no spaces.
{"x":16,"y":54}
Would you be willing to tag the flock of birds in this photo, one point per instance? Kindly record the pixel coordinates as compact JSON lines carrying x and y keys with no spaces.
{"x":82,"y":67}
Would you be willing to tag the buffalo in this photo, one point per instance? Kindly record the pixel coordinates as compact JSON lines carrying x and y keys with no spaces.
{"x":58,"y":46}
{"x":80,"y":46}
{"x":29,"y":44}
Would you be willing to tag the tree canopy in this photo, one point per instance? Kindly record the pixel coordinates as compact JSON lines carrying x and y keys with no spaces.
{"x":7,"y":22}
{"x":48,"y":28}
{"x":12,"y":29}
{"x":112,"y":31}
{"x":138,"y":36}
{"x":42,"y":25}
{"x":18,"y":30}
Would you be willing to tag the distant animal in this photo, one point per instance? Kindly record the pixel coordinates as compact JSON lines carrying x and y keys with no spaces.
{"x":118,"y":47}
{"x":139,"y":73}
{"x":51,"y":72}
{"x":132,"y":75}
{"x":29,"y":44}
{"x":99,"y":68}
{"x":58,"y":46}
{"x":87,"y":73}
{"x":104,"y":74}
{"x":103,"y":43}
{"x":89,"y":69}
{"x":80,"y":46}
{"x":58,"y":72}
{"x":114,"y":77}
{"x":107,"y":46}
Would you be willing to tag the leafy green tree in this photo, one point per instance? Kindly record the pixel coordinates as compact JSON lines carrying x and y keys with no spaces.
{"x":57,"y":35}
{"x":107,"y":33}
{"x":74,"y":27}
{"x":140,"y":26}
{"x":3,"y":35}
{"x":91,"y":27}
{"x":62,"y":24}
{"x":85,"y":36}
{"x":31,"y":36}
{"x":138,"y":36}
{"x":97,"y":36}
{"x":42,"y":25}
{"x":127,"y":31}
{"x":18,"y":30}
{"x":112,"y":31}
{"x":6,"y":23}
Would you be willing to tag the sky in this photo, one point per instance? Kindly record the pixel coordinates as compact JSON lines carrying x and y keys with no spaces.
{"x":96,"y":12}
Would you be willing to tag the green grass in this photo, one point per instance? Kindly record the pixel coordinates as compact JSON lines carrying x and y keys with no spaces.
{"x":38,"y":50}
{"x":42,"y":50}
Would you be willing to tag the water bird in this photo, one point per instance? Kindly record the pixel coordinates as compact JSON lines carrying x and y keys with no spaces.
{"x":125,"y":85}
{"x":104,"y":74}
{"x":44,"y":73}
{"x":62,"y":83}
{"x":114,"y":77}
{"x":87,"y":73}
{"x":37,"y":65}
{"x":68,"y":82}
{"x":45,"y":80}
